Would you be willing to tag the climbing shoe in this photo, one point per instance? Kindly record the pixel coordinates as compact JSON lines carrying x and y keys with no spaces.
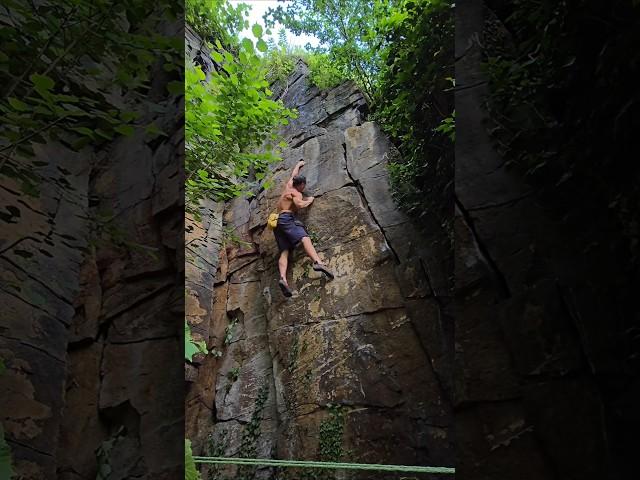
{"x":318,"y":267}
{"x":285,"y":289}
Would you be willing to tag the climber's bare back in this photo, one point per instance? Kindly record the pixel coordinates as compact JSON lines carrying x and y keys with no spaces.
{"x":285,"y":202}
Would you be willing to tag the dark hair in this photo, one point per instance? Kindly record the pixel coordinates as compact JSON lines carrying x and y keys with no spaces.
{"x":299,"y":180}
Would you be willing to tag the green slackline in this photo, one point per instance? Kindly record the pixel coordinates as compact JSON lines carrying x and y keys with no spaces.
{"x":269,"y":462}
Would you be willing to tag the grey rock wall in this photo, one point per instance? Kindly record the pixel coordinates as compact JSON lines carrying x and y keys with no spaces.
{"x":367,"y":353}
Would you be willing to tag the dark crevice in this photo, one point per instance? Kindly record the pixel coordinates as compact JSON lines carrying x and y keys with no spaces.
{"x":11,"y":441}
{"x":337,"y":317}
{"x":18,"y":242}
{"x":142,"y":340}
{"x":472,"y":85}
{"x":32,"y":305}
{"x":332,"y":116}
{"x":140,"y":301}
{"x":299,"y":143}
{"x":39,"y":282}
{"x":484,"y":251}
{"x":506,"y":203}
{"x":571,"y":311}
{"x":80,"y":344}
{"x":35,"y":347}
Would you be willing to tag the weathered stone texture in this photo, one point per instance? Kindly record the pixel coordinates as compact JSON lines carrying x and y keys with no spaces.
{"x":534,"y":329}
{"x":92,"y":303}
{"x":371,"y":343}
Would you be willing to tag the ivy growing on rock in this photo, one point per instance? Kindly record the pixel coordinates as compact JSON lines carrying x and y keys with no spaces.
{"x":251,"y":435}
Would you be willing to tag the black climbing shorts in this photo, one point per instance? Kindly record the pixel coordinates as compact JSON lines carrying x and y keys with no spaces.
{"x":289,"y":231}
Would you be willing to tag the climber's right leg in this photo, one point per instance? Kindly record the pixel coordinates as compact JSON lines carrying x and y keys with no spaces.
{"x":317,"y":263}
{"x":283,"y":261}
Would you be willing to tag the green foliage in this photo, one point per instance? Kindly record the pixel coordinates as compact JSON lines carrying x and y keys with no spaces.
{"x":280,"y":61}
{"x":190,"y":472}
{"x":324,"y":73}
{"x":228,"y":331}
{"x":448,"y":127}
{"x":62,"y":86}
{"x":415,"y":103}
{"x":251,"y":435}
{"x":77,"y":73}
{"x":216,"y":19}
{"x":344,"y":29}
{"x":192,"y":347}
{"x":293,"y":355}
{"x":233,"y":374}
{"x":544,"y":74}
{"x":230,"y":237}
{"x":330,"y":439}
{"x":331,"y":431}
{"x":400,"y":54}
{"x":229,"y":116}
{"x":216,"y":448}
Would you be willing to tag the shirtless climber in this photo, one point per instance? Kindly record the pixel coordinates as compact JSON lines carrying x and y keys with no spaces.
{"x":290,"y":231}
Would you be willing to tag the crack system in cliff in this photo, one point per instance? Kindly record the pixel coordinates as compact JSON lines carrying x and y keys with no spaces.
{"x":363,"y":197}
{"x":483,"y":250}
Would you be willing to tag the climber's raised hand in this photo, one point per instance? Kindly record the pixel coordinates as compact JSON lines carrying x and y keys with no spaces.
{"x":300,"y":164}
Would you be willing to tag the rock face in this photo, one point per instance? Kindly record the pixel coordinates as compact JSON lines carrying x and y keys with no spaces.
{"x":357,"y":368}
{"x":540,"y":363}
{"x":92,"y":306}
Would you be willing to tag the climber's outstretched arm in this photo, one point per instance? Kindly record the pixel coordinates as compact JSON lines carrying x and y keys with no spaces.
{"x":296,"y":171}
{"x":299,"y":202}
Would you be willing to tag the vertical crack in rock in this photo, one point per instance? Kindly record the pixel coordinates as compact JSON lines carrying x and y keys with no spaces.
{"x":365,"y":202}
{"x":483,"y":250}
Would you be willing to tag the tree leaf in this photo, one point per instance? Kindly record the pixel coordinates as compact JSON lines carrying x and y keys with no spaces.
{"x":262,"y":45}
{"x":42,"y":82}
{"x":217,"y":57}
{"x":18,"y":105}
{"x":84,"y":131}
{"x":190,"y":472}
{"x":126,"y":130}
{"x":190,"y":349}
{"x":256,"y":30}
{"x":247,"y":45}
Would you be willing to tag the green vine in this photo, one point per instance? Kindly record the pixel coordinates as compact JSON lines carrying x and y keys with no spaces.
{"x":228,"y":332}
{"x":232,"y":377}
{"x":216,"y":448}
{"x":331,"y":431}
{"x":330,"y":439}
{"x":230,"y":237}
{"x":251,"y":435}
{"x":293,"y":355}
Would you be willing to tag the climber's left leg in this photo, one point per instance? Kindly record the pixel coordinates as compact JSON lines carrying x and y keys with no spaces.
{"x":317,"y":263}
{"x":283,"y":261}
